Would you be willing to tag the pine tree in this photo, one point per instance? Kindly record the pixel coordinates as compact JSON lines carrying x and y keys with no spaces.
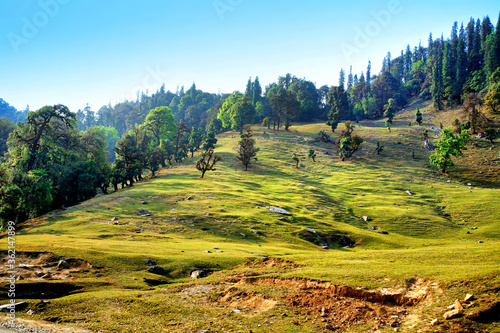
{"x":436,"y":63}
{"x":247,"y":150}
{"x":368,"y":73}
{"x":349,"y":80}
{"x":461,"y":66}
{"x":257,"y":91}
{"x":342,"y":78}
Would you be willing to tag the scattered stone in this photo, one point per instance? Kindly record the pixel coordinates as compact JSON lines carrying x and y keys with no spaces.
{"x":207,"y":251}
{"x":19,"y":306}
{"x":278,"y":210}
{"x":258,"y":233}
{"x":373,"y":228}
{"x":172,"y":210}
{"x":243,"y":235}
{"x":157,"y":270}
{"x":121,"y":212}
{"x":20,"y":277}
{"x":408,"y":192}
{"x":150,"y":262}
{"x":435,"y":322}
{"x":198,"y":274}
{"x":480,"y":242}
{"x":428,"y":146}
{"x":260,"y":255}
{"x":39,"y":274}
{"x":452,"y":314}
{"x":189,"y":198}
{"x":474,"y":228}
{"x":26,"y":266}
{"x":203,"y":331}
{"x":468,"y":298}
{"x":220,"y":251}
{"x":365,"y":218}
{"x":46,"y":276}
{"x":114,"y":219}
{"x":63,"y":264}
{"x":282,"y":219}
{"x":144,"y":202}
{"x":142,"y":212}
{"x":107,"y":208}
{"x":383,"y":232}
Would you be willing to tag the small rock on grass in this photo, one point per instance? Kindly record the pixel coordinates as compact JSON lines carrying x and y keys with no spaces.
{"x":435,"y":322}
{"x":468,"y":298}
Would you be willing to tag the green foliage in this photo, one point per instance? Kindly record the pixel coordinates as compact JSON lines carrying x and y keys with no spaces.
{"x":379,"y":148}
{"x":349,"y":145}
{"x":6,"y":127}
{"x":390,"y":110}
{"x":160,"y":122}
{"x":295,"y":158}
{"x":236,"y":111}
{"x":285,"y":107}
{"x":418,"y":117}
{"x":449,"y":145}
{"x":210,"y":141}
{"x":491,"y":134}
{"x":195,"y":139}
{"x":388,"y":125}
{"x":311,"y":155}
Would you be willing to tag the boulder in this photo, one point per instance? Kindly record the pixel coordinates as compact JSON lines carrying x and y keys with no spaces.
{"x":142,"y":212}
{"x":428,"y":146}
{"x":435,"y":322}
{"x":455,"y":313}
{"x":468,"y":298}
{"x":383,"y":232}
{"x":189,"y":198}
{"x":198,"y":274}
{"x":278,"y":210}
{"x":258,"y":233}
{"x":63,"y":264}
{"x":157,"y":270}
{"x":144,"y":202}
{"x":365,"y":218}
{"x":150,"y":262}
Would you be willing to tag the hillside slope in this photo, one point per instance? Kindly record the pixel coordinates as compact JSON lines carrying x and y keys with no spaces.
{"x":426,"y":249}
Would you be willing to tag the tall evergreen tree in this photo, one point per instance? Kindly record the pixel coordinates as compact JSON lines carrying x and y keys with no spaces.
{"x":369,"y":73}
{"x":342,"y":78}
{"x":349,"y":80}
{"x":257,"y":91}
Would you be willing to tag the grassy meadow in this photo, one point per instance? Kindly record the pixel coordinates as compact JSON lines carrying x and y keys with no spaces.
{"x":446,"y":232}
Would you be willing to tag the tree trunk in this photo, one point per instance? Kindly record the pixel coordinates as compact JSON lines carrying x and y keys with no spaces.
{"x":203,"y":173}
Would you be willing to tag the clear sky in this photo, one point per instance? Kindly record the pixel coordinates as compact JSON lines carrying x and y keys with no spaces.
{"x":76,"y":52}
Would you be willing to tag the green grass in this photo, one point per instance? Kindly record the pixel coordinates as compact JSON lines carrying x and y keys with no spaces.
{"x":427,"y":231}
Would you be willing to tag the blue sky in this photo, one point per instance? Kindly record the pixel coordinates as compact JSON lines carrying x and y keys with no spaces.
{"x":75,"y":52}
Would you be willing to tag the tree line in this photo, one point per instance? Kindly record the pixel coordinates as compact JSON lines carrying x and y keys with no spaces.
{"x":54,"y":157}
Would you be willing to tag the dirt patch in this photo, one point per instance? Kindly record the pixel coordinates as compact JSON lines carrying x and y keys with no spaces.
{"x":247,"y":301}
{"x":39,"y":266}
{"x":271,"y":262}
{"x":339,"y":307}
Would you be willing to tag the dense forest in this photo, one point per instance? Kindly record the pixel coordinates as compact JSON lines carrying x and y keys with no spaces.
{"x":53,"y":157}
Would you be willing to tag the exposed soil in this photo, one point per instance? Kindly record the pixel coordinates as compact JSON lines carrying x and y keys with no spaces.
{"x":31,"y":266}
{"x":270,"y":262}
{"x":338,"y":307}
